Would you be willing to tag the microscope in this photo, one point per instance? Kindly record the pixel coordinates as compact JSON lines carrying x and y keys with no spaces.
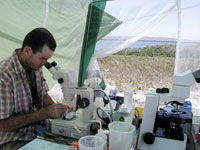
{"x":149,"y":137}
{"x":78,"y":125}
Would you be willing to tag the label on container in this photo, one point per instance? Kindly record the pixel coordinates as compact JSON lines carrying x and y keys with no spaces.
{"x":75,"y":135}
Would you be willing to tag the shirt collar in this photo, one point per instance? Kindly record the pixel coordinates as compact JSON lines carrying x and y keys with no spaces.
{"x":17,"y":65}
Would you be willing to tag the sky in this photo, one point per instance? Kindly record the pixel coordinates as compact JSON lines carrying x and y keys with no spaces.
{"x":137,"y":14}
{"x":190,"y":22}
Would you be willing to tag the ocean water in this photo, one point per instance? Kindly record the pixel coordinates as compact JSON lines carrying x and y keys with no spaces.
{"x":110,"y":43}
{"x":144,"y":43}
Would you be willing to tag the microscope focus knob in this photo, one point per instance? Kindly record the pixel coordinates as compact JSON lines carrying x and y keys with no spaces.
{"x":149,"y":138}
{"x":84,"y":102}
{"x":60,"y":80}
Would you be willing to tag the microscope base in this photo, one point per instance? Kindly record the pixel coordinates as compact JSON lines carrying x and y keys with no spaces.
{"x":74,"y":128}
{"x":165,"y":144}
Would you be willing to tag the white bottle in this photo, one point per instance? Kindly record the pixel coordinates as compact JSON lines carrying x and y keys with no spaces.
{"x":101,"y":134}
{"x":128,"y":96}
{"x":128,"y":102}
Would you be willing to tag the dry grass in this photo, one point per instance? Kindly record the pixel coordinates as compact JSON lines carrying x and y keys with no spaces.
{"x":140,"y":71}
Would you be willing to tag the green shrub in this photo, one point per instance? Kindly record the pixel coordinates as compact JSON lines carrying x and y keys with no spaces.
{"x":159,"y":50}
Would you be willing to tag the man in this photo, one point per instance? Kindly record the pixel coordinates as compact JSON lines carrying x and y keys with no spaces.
{"x":24,"y":100}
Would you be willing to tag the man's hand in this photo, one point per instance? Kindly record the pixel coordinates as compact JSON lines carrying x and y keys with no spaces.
{"x":55,"y":110}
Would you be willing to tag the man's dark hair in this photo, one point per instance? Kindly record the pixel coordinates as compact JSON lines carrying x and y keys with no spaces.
{"x":37,"y":38}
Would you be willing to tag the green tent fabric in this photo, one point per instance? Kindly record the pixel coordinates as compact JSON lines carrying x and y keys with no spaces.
{"x":95,"y":14}
{"x":94,"y":19}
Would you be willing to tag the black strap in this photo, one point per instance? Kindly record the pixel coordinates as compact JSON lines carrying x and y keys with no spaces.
{"x":32,"y":83}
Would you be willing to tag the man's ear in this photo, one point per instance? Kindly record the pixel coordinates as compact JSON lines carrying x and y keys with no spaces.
{"x":27,"y":50}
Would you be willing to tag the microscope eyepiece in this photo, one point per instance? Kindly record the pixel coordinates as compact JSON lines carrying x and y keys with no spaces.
{"x":54,"y":64}
{"x":48,"y":65}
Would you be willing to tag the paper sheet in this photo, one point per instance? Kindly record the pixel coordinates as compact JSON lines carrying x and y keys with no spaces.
{"x":39,"y":144}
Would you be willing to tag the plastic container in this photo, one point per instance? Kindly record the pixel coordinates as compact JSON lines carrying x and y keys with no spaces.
{"x":91,"y":143}
{"x":121,"y":136}
{"x":104,"y":136}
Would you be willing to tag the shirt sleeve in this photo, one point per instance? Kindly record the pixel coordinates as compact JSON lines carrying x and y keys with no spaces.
{"x":6,"y":99}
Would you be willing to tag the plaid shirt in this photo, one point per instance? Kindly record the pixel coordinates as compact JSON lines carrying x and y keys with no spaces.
{"x":15,"y":96}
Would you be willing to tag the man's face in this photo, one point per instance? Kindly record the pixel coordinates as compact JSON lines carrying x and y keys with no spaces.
{"x":37,"y":60}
